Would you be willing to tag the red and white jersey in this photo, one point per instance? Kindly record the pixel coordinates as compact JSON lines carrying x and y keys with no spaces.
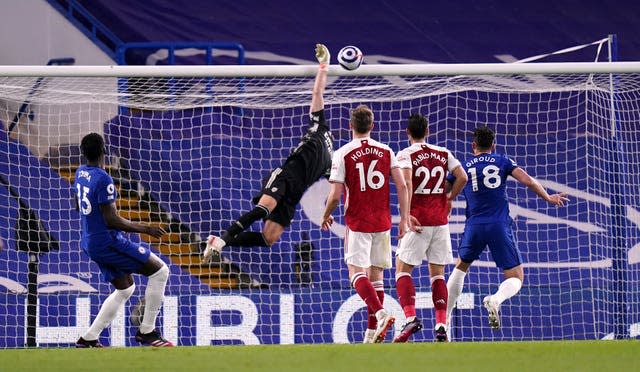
{"x":429,"y":166}
{"x":364,"y":167}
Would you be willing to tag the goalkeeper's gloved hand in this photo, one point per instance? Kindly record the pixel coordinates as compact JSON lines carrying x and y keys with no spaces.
{"x":322,"y":54}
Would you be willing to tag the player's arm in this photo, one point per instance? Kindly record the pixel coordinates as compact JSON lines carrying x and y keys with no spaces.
{"x":408,"y":181}
{"x":454,"y":189}
{"x":114,"y":221}
{"x":403,"y":199}
{"x":323,"y":56}
{"x":333,"y":199}
{"x":408,"y":178}
{"x":448,"y":185}
{"x":524,"y":178}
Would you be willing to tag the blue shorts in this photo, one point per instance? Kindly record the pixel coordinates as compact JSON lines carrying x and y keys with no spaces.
{"x":498,"y":236}
{"x":119,"y":258}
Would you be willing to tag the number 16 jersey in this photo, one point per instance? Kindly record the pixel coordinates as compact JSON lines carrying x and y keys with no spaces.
{"x":364,"y":167}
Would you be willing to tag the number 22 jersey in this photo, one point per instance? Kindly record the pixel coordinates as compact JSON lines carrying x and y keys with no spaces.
{"x":429,"y":165}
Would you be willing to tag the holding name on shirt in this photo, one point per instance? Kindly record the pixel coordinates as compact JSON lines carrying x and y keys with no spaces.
{"x":362,"y":169}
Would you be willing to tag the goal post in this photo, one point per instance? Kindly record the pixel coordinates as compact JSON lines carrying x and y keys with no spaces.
{"x":571,"y":68}
{"x":189,"y":145}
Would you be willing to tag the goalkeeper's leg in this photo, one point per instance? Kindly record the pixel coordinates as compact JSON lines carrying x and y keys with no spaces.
{"x":270,"y":235}
{"x":259,"y":212}
{"x":235,"y":235}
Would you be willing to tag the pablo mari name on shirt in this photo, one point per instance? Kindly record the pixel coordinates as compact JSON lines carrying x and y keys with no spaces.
{"x":432,"y":155}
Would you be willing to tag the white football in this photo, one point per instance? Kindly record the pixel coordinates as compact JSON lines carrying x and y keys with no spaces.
{"x":350,"y":57}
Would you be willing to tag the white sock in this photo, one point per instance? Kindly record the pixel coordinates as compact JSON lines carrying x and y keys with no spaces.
{"x":454,"y":287}
{"x":153,"y":297}
{"x":507,"y":289}
{"x":380,"y":314}
{"x":108,"y":312}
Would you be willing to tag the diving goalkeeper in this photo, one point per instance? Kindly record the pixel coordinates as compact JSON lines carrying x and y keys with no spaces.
{"x":284,"y":186}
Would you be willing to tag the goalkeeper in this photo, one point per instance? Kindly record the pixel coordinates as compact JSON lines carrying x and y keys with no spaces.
{"x":283,"y":188}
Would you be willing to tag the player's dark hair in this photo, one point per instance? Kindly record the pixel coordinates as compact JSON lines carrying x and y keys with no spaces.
{"x":92,"y":146}
{"x":362,"y":119}
{"x":417,"y":126}
{"x":483,"y":137}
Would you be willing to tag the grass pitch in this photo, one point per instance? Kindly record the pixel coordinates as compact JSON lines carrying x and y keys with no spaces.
{"x":480,"y":356}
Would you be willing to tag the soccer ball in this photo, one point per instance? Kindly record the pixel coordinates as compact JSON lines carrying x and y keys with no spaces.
{"x":350,"y":57}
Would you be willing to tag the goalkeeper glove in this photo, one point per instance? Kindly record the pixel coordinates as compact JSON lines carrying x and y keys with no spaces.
{"x":322,"y":54}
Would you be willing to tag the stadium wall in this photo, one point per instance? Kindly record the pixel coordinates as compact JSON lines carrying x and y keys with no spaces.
{"x":32,"y":33}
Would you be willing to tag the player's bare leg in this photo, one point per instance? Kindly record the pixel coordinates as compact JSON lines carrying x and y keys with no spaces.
{"x":265,"y":205}
{"x":407,"y":297}
{"x":271,"y":232}
{"x":508,"y":288}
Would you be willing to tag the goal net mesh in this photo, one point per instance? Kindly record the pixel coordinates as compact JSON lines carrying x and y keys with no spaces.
{"x":190,"y":153}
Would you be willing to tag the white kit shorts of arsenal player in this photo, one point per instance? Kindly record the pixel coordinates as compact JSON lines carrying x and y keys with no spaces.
{"x":368,"y":249}
{"x":433,"y":244}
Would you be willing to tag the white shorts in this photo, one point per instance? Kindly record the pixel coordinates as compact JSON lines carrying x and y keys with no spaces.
{"x":433,"y":244}
{"x":368,"y":249}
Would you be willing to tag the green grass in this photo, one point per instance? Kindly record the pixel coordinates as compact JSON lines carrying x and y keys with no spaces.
{"x":481,"y":356}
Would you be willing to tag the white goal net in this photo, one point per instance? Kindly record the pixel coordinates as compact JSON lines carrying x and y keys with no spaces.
{"x":188,"y":153}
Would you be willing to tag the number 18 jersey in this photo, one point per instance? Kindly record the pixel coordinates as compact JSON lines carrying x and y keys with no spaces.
{"x":364,"y":167}
{"x":485,"y":190}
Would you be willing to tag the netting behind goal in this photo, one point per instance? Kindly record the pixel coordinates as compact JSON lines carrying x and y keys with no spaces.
{"x":189,"y":154}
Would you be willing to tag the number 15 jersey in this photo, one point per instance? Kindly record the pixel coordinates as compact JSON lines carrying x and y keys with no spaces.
{"x":94,"y":187}
{"x":485,"y":191}
{"x":364,"y":167}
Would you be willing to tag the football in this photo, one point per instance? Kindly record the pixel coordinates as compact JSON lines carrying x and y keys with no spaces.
{"x":350,"y":57}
